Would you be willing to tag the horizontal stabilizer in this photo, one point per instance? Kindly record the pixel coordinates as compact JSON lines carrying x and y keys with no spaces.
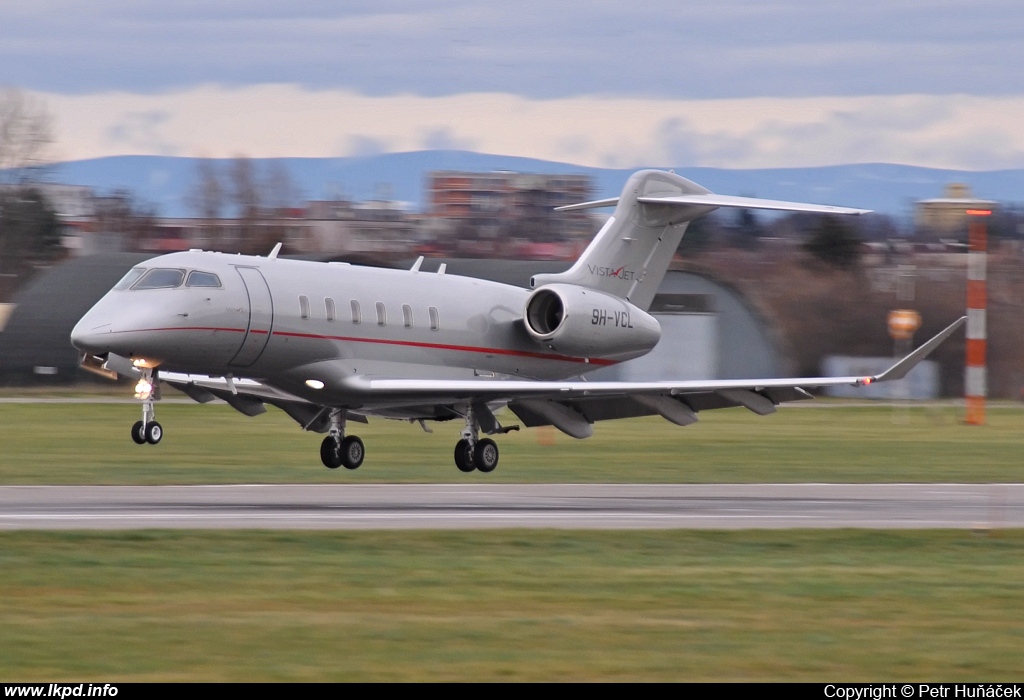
{"x":596,"y":204}
{"x":722,"y":200}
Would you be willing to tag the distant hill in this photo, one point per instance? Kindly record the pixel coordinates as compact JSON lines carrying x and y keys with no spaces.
{"x":164,"y":181}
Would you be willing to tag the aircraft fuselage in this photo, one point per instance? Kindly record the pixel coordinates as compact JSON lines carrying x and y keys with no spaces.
{"x":270,"y":317}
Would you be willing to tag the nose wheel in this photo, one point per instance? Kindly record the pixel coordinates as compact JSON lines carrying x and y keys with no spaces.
{"x":151,"y":432}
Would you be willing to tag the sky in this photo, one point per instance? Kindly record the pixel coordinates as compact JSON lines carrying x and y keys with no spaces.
{"x":732,"y":83}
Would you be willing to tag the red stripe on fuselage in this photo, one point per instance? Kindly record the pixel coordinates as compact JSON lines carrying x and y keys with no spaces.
{"x":405,"y":343}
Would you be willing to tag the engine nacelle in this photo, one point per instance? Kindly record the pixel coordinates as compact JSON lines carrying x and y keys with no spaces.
{"x":583,"y":322}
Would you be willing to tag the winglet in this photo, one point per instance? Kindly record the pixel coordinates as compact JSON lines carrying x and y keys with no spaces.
{"x":901,"y":368}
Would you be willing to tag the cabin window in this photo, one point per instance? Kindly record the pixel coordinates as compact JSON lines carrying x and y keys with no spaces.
{"x":329,"y":308}
{"x":161,"y":278}
{"x":131,"y":278}
{"x":202,"y":279}
{"x":356,"y":318}
{"x":303,"y":307}
{"x":382,"y":314}
{"x":435,"y":320}
{"x":407,"y":315}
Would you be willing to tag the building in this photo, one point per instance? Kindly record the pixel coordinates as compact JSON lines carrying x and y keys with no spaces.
{"x":506,"y":214}
{"x":946,"y":216}
{"x":379,"y":227}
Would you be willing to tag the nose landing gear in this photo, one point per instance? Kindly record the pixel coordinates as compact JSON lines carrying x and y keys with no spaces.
{"x":337,"y":450}
{"x":147,"y":429}
{"x":151,"y":432}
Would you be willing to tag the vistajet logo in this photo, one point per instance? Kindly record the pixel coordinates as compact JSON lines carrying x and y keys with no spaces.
{"x":621,"y":272}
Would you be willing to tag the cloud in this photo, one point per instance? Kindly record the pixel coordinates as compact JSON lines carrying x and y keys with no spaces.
{"x":141,"y":132}
{"x":362,"y":145}
{"x":955,"y":131}
{"x":443,"y":138}
{"x":534,"y":48}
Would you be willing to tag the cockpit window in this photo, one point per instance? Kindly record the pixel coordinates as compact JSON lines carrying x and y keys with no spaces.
{"x":161,"y":278}
{"x":202,"y":279}
{"x":131,"y":278}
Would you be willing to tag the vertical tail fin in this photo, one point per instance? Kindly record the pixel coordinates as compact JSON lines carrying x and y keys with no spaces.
{"x":630,"y":255}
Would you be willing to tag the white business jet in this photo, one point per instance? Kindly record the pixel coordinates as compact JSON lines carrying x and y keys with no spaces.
{"x":331,"y":344}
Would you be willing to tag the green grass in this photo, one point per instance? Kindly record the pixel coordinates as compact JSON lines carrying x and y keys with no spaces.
{"x":89,"y":444}
{"x":511,"y":605}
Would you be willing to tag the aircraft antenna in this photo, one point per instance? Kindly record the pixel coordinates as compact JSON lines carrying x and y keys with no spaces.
{"x":416,"y":265}
{"x":275,"y":251}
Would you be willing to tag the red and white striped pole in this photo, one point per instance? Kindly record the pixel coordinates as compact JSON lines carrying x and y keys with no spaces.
{"x":975,"y":380}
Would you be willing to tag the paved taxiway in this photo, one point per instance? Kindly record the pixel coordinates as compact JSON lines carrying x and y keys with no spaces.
{"x":462,"y":506}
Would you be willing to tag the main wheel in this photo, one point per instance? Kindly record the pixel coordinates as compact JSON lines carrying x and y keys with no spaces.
{"x":154,"y":433}
{"x":352,"y":452}
{"x":139,"y":433}
{"x":330,"y":453}
{"x":485,"y":457}
{"x":464,"y":456}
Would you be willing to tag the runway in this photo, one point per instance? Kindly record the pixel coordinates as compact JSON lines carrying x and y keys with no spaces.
{"x":564,"y":506}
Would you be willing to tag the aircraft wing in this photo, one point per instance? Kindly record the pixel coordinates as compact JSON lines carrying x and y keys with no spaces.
{"x":572,"y":406}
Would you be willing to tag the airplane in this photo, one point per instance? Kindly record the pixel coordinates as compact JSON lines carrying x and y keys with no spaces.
{"x":331,"y":344}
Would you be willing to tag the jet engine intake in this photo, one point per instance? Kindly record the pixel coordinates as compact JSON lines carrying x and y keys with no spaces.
{"x":584,"y":322}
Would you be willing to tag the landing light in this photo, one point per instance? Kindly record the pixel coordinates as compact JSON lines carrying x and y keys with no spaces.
{"x":867,"y":380}
{"x":143,"y":362}
{"x":143,"y":390}
{"x":314,"y":384}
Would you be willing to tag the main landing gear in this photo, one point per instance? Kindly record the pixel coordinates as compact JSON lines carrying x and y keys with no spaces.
{"x":473,"y":453}
{"x":147,"y":429}
{"x":482,"y":456}
{"x":337,"y":450}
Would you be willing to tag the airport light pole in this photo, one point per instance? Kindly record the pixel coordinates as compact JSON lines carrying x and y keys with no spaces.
{"x":975,"y":379}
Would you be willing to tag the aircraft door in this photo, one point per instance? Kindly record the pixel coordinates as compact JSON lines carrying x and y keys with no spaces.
{"x":261,"y":317}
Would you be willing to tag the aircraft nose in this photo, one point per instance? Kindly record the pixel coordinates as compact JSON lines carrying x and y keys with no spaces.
{"x":90,"y":333}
